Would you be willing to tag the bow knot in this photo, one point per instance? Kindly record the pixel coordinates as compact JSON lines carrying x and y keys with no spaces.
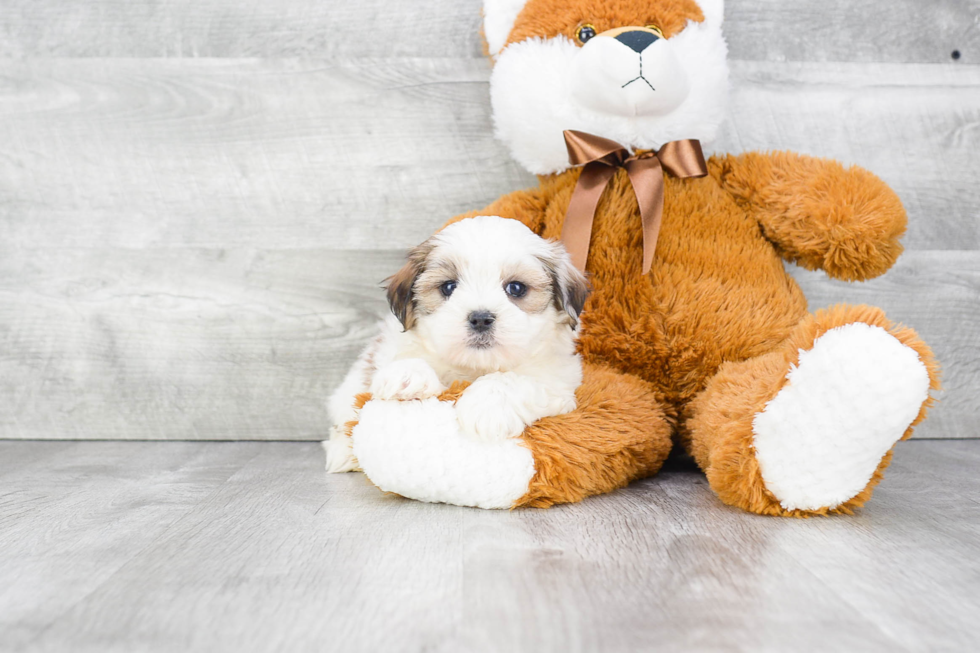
{"x":602,"y":157}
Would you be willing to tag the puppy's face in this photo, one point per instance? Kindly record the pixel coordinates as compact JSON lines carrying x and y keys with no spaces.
{"x":486,"y":293}
{"x":640,"y":72}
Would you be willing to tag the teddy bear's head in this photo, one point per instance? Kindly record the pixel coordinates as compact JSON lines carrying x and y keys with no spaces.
{"x":639,"y":72}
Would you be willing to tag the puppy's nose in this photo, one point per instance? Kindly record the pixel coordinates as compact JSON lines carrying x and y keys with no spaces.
{"x":481,"y":321}
{"x":637,"y":40}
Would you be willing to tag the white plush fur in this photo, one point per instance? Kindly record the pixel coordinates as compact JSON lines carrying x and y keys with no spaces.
{"x":615,"y":80}
{"x":529,"y":370}
{"x":498,"y":20}
{"x":850,"y":398}
{"x":713,"y":10}
{"x":416,"y":449}
{"x":539,"y":88}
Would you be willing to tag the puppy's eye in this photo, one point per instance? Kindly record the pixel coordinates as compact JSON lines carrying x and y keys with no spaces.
{"x":447,"y":288}
{"x":656,"y":29}
{"x":515,"y":289}
{"x":585,"y":32}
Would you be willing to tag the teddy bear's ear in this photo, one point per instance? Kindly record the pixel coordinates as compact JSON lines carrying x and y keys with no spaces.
{"x":498,"y":20}
{"x":713,"y":10}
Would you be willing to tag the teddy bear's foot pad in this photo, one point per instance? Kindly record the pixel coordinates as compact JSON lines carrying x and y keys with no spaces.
{"x":843,"y":407}
{"x":415,"y":449}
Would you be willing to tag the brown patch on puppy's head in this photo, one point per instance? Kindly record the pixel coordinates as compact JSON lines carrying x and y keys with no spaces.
{"x":571,"y":291}
{"x":549,"y":18}
{"x":440,"y":267}
{"x":401,"y":285}
{"x":569,"y":287}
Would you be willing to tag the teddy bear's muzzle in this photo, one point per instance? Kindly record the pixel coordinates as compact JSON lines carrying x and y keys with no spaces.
{"x":628,"y":71}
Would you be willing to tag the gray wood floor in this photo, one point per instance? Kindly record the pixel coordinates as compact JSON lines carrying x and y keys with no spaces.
{"x":249,"y":546}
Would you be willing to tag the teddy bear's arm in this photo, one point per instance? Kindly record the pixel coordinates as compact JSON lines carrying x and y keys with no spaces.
{"x":817,"y":213}
{"x":528,"y":205}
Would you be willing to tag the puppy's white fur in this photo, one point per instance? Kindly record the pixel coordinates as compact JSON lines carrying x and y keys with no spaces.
{"x":523,"y":369}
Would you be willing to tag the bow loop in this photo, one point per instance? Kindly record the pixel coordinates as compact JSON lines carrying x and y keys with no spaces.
{"x":586,"y":148}
{"x":601,"y":158}
{"x":683,"y":159}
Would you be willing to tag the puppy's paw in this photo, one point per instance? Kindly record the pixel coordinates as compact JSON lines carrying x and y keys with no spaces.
{"x":487,"y":411}
{"x":340,"y":456}
{"x":411,"y":378}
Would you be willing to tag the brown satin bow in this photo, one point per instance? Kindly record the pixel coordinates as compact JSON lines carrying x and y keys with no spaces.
{"x":602,"y":157}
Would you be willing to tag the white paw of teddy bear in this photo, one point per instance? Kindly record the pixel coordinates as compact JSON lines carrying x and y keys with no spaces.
{"x":416,"y":449}
{"x":846,"y":403}
{"x":487,"y":410}
{"x":403,"y":380}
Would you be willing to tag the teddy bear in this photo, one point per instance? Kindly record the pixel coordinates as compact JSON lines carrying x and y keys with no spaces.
{"x":694,"y":335}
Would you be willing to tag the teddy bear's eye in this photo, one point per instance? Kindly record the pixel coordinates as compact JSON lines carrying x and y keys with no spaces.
{"x":656,"y":29}
{"x":447,"y":288}
{"x":585,"y":32}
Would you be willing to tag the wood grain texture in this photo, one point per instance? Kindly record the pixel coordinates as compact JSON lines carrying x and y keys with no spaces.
{"x":906,"y":31}
{"x":190,"y":245}
{"x":914,"y":126}
{"x":224,"y":345}
{"x":252,"y":547}
{"x":803,"y":30}
{"x":377,"y":154}
{"x":180,"y":343}
{"x":272,"y":154}
{"x":75,"y":515}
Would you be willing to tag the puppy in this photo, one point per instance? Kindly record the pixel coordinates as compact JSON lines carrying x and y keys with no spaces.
{"x":484,"y":300}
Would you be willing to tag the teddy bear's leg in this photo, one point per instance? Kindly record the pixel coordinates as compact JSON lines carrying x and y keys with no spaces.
{"x":809,"y":427}
{"x":619,"y":432}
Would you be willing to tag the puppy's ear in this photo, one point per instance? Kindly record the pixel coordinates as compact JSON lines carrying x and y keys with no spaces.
{"x":401,"y":285}
{"x":569,"y":287}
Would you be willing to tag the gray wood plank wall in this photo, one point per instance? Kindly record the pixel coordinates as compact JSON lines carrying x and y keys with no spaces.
{"x":197,"y":200}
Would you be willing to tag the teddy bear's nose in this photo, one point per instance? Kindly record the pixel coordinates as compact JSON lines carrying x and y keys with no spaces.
{"x":637,"y":40}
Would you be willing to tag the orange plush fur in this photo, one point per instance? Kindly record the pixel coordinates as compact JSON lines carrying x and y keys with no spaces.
{"x":718,"y":295}
{"x":549,"y":18}
{"x":618,"y":433}
{"x":691,"y":352}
